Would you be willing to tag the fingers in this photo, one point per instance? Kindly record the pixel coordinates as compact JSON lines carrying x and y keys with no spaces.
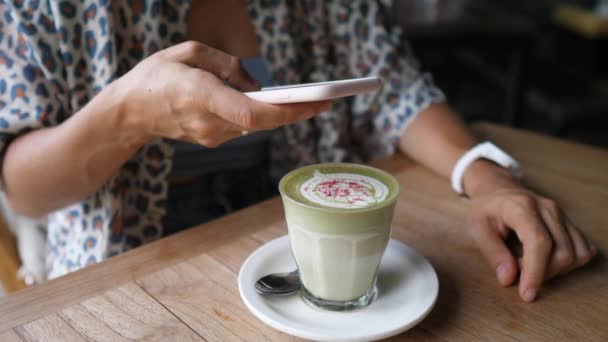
{"x":537,"y":246}
{"x":583,"y":250}
{"x":570,"y":248}
{"x":207,"y":110}
{"x":494,"y":250}
{"x":552,"y":245}
{"x":226,"y":67}
{"x":257,"y":115}
{"x":563,"y":253}
{"x":252,"y":115}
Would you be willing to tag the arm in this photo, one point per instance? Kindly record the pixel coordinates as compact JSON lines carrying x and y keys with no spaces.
{"x":52,"y":167}
{"x":438,"y":138}
{"x":499,"y":204}
{"x":178,"y":93}
{"x":408,"y":110}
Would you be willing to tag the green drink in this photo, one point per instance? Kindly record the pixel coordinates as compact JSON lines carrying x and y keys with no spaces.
{"x":339,"y":221}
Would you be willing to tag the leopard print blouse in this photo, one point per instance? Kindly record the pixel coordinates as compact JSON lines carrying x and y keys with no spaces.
{"x":56,"y":55}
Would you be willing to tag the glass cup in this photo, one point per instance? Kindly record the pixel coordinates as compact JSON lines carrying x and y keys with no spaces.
{"x":338,"y":250}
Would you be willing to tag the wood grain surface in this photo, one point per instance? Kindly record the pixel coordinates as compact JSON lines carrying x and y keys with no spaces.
{"x":123,"y":314}
{"x":184,"y":287}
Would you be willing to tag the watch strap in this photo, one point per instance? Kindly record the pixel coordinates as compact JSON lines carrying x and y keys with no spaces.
{"x":485,"y":150}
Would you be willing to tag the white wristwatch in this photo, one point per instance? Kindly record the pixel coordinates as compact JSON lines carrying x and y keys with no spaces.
{"x":485,"y":150}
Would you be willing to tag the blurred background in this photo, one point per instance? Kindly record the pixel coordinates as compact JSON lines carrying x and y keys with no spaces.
{"x":539,"y":64}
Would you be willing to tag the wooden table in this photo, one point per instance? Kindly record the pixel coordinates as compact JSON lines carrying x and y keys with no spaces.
{"x":184,"y":287}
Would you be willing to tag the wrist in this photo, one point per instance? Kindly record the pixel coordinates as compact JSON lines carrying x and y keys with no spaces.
{"x":126,"y":122}
{"x":484,"y":176}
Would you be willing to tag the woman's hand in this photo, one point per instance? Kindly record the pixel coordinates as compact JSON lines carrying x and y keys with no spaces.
{"x":552,"y":244}
{"x":500,"y":206}
{"x":176,"y":93}
{"x":179,"y":93}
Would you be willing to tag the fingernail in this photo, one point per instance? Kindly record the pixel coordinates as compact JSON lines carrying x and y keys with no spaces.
{"x":530,"y":294}
{"x":502,"y":272}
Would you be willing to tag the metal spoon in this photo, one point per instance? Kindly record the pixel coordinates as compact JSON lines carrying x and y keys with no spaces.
{"x":279,"y":283}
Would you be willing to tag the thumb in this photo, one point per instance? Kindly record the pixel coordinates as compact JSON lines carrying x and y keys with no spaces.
{"x":495,"y":251}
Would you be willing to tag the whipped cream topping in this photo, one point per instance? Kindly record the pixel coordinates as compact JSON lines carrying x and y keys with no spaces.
{"x":343,"y":190}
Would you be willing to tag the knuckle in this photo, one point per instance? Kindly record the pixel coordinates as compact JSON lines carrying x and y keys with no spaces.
{"x":193,"y":47}
{"x":541,"y":239}
{"x":563,"y":258}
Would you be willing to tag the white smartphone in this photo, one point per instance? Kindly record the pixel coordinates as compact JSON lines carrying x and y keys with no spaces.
{"x":320,"y":91}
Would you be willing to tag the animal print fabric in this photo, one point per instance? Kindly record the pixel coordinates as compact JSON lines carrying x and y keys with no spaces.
{"x":56,"y":55}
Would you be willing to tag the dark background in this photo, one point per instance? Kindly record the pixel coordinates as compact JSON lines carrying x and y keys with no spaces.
{"x":513,"y":62}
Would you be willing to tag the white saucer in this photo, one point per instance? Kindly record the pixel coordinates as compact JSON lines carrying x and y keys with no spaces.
{"x":407,"y":291}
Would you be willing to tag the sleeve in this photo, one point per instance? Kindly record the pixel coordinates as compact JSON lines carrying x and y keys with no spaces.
{"x":370,"y":47}
{"x":30,"y":94}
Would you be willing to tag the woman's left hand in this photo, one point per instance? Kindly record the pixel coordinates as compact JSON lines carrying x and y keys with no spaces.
{"x":552,"y":244}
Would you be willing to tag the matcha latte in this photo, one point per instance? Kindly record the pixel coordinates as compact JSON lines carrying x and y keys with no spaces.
{"x":338,"y":217}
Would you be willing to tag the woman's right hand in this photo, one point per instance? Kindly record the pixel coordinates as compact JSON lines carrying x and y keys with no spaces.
{"x":180,"y":93}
